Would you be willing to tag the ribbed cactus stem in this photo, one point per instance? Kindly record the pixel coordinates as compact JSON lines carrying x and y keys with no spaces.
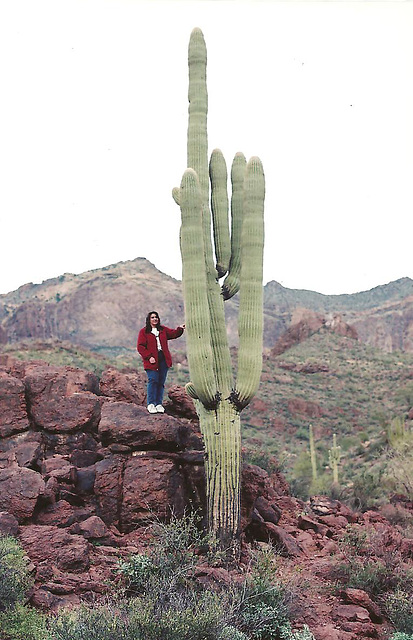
{"x":232,"y":282}
{"x":190,"y":389}
{"x":334,"y":456}
{"x":313,"y":456}
{"x":222,"y":439}
{"x":250,"y":323}
{"x":194,"y":283}
{"x":197,"y":147}
{"x":219,"y":206}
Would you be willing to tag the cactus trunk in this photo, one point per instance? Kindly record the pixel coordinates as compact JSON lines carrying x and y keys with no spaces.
{"x":222,"y":437}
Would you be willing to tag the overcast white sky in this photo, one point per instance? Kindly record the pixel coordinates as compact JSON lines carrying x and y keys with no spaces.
{"x":93,"y":133}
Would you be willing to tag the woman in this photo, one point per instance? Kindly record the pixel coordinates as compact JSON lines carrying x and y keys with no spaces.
{"x":153,"y":347}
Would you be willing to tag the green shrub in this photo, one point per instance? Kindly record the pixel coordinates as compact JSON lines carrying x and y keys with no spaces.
{"x":302,"y":475}
{"x":184,"y":617}
{"x":368,"y":575}
{"x":262,"y":459}
{"x":302,"y":634}
{"x":91,"y":623}
{"x":14,"y":577}
{"x":261,"y":607}
{"x":167,"y":602}
{"x":399,"y":609}
{"x":172,"y":560}
{"x":231,"y":633}
{"x":367,"y":490}
{"x":401,"y":636}
{"x":23,"y":623}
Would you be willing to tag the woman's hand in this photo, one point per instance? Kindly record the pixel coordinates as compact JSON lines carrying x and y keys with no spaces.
{"x":152,"y":360}
{"x":182,"y":326}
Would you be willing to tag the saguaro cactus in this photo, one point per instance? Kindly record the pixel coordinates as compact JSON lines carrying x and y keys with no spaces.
{"x":219,"y":399}
{"x":313,"y":454}
{"x":334,"y":455}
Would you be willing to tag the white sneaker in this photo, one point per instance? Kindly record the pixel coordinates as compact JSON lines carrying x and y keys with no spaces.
{"x":152,"y":408}
{"x":160,"y":409}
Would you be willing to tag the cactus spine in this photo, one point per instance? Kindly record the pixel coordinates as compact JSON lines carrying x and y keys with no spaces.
{"x":218,"y":398}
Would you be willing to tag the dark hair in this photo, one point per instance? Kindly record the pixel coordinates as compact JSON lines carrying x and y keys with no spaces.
{"x":148,"y":327}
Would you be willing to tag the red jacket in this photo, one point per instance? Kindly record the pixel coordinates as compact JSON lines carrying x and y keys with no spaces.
{"x":147,"y":346}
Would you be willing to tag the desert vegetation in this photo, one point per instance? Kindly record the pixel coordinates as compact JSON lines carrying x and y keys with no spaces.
{"x":156,"y":596}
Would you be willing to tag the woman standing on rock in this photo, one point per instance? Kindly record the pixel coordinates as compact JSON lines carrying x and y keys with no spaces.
{"x":153,"y":347}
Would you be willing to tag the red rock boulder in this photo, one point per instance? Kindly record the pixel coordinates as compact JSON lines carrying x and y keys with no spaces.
{"x":13,"y":413}
{"x":128,"y":386}
{"x":62,"y":399}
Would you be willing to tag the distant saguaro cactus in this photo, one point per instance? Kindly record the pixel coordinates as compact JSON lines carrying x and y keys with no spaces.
{"x":239,"y":254}
{"x":334,"y":455}
{"x":313,"y":455}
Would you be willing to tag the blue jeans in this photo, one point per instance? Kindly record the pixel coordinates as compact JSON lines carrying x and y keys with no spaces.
{"x":156,"y":381}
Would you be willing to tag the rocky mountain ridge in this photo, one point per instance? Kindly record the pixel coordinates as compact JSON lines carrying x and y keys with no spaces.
{"x":104,"y":309}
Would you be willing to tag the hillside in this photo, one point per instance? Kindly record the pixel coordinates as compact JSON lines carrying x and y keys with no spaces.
{"x":103,"y":309}
{"x":340,"y":386}
{"x":333,"y":382}
{"x":382,"y":316}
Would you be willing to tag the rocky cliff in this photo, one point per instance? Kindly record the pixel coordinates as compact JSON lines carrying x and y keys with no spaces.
{"x":104,"y":309}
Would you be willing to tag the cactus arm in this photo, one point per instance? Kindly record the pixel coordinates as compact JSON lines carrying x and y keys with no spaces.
{"x":190,"y":389}
{"x":200,"y":355}
{"x":231,"y":283}
{"x":197,"y":147}
{"x":250,"y":323}
{"x":176,"y":194}
{"x":219,"y":205}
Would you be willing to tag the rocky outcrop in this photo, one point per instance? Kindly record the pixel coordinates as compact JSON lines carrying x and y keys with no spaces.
{"x":82,"y":462}
{"x":308,"y":324}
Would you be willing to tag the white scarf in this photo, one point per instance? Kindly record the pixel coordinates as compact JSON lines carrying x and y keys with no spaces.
{"x":155,"y":331}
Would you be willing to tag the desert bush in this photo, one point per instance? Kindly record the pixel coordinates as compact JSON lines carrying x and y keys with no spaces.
{"x":231,"y":633}
{"x":399,"y":609}
{"x":399,"y":472}
{"x":172,"y":605}
{"x":17,"y":621}
{"x":400,"y":517}
{"x":263,"y":459}
{"x":302,"y":476}
{"x":102,"y":622}
{"x":367,"y":490}
{"x":370,"y":564}
{"x":182,"y":618}
{"x":172,"y":560}
{"x":22,"y":622}
{"x":14,"y":576}
{"x":261,"y":605}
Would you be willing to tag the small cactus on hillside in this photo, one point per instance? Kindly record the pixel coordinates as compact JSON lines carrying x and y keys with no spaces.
{"x":312,"y":453}
{"x":334,"y":455}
